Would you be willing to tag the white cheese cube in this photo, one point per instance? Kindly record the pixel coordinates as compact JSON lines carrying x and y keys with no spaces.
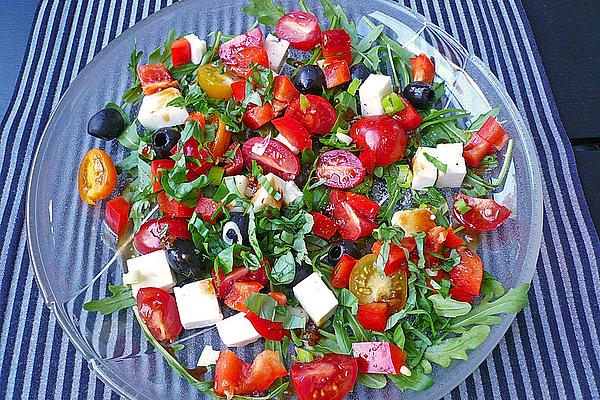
{"x":456,"y":169}
{"x":262,"y":198}
{"x":197,"y":46}
{"x":424,"y":172}
{"x":208,"y":357}
{"x":150,"y":270}
{"x":282,"y":139}
{"x":315,"y":298}
{"x":414,"y":221}
{"x":155,"y":114}
{"x":197,"y":304}
{"x":344,"y":138}
{"x":372,"y":91}
{"x":291,"y":192}
{"x":241,"y":183}
{"x":277,"y":50}
{"x":237,"y":331}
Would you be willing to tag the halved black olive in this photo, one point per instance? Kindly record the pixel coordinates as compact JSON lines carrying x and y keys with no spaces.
{"x":163,"y":141}
{"x":338,"y":249}
{"x":420,"y":94}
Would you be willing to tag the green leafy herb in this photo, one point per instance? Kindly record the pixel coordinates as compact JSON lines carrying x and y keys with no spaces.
{"x":445,"y":351}
{"x":373,"y":381}
{"x":130,"y":138}
{"x":303,"y":355}
{"x":447,"y":307}
{"x":120,"y":299}
{"x":284,"y":270}
{"x":437,"y":163}
{"x":162,"y":55}
{"x":266,"y":12}
{"x":417,"y":381}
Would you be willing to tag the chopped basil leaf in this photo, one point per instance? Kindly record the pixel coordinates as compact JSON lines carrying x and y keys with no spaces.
{"x":437,"y":163}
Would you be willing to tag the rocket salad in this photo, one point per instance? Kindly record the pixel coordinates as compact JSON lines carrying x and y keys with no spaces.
{"x":305,"y":189}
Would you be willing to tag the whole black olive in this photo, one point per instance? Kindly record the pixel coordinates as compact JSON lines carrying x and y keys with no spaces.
{"x":420,"y":94}
{"x":187,"y":263}
{"x":106,"y":124}
{"x":163,"y":141}
{"x":359,"y":71}
{"x":235,"y":231}
{"x":302,"y":272}
{"x":338,"y":249}
{"x":310,"y":80}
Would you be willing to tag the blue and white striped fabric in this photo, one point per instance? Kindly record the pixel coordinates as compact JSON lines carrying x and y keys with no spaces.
{"x":552,"y":349}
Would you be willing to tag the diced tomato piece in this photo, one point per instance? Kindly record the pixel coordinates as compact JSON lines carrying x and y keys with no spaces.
{"x":319,"y":118}
{"x":233,"y":166}
{"x":493,"y":133}
{"x":117,"y":214}
{"x":158,"y":310}
{"x":257,"y":116}
{"x":468,"y":275}
{"x":336,"y":73}
{"x":229,"y":50}
{"x":373,"y":316}
{"x":246,"y":57}
{"x":230,"y":371}
{"x":156,"y":168}
{"x":155,"y":232}
{"x":197,"y":117}
{"x":238,"y":88}
{"x":206,"y":208}
{"x":265,"y":369}
{"x":435,"y":238}
{"x":453,"y":241}
{"x":299,"y":28}
{"x":181,"y":52}
{"x":397,"y":257}
{"x":484,"y":214}
{"x":284,"y":90}
{"x":223,"y":283}
{"x":155,"y":77}
{"x":267,"y":329}
{"x":335,"y":42}
{"x":272,"y":156}
{"x":475,"y":149}
{"x":279,"y":297}
{"x":239,"y":293}
{"x":409,"y":117}
{"x":330,"y":377}
{"x":423,"y":69}
{"x":191,"y":148}
{"x":294,"y":132}
{"x":323,"y":226}
{"x":351,"y":223}
{"x":340,"y":277}
{"x":363,"y":204}
{"x":173,"y":208}
{"x":460,"y":295}
{"x":379,"y":357}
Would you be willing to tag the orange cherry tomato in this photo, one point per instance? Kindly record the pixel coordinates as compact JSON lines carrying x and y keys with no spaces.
{"x":222,"y":138}
{"x":97,"y":176}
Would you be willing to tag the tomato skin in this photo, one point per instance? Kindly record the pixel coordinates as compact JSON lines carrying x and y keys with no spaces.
{"x":257,"y":116}
{"x":335,"y":42}
{"x":284,"y":90}
{"x":299,"y":28}
{"x":181,"y":52}
{"x":475,"y":149}
{"x":117,"y":214}
{"x":240,"y":291}
{"x":453,"y":241}
{"x":319,"y":118}
{"x":324,"y":226}
{"x":155,"y":77}
{"x":247,"y":56}
{"x":468,"y":275}
{"x":382,"y":139}
{"x":330,"y":377}
{"x":158,"y":310}
{"x":423,"y":69}
{"x":379,"y":357}
{"x":363,"y":204}
{"x":294,"y":132}
{"x":336,"y":73}
{"x":267,"y":329}
{"x":340,"y":277}
{"x":276,"y":157}
{"x":233,"y":166}
{"x":460,"y":295}
{"x":397,"y":258}
{"x":149,"y":238}
{"x":409,"y":117}
{"x":373,"y":316}
{"x":340,"y":169}
{"x":229,"y":49}
{"x":224,"y":283}
{"x":493,"y":133}
{"x":484,"y":215}
{"x":352,"y":222}
{"x":173,"y":208}
{"x":191,"y":149}
{"x":97,"y":176}
{"x":156,"y":174}
{"x":206,"y":208}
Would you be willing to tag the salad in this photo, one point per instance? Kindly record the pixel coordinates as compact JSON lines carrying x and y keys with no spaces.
{"x":304,"y":189}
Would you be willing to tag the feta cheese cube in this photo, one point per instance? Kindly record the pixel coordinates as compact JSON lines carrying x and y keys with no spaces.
{"x":262,"y":198}
{"x":237,"y":331}
{"x":372,"y":91}
{"x":315,"y":298}
{"x":291,"y":192}
{"x":282,"y":139}
{"x":208,"y":357}
{"x":154,"y":112}
{"x":197,"y":46}
{"x":150,"y":270}
{"x":424,"y":172}
{"x":456,"y":169}
{"x":344,"y":138}
{"x":277,"y":50}
{"x":197,"y":304}
{"x":414,"y":221}
{"x":241,"y":183}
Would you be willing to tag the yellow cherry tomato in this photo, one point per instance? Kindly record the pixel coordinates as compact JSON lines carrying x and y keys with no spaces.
{"x":217,"y":85}
{"x":97,"y":176}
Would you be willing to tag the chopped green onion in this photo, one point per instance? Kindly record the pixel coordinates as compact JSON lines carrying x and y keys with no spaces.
{"x":304,"y":103}
{"x":461,"y":206}
{"x":392,"y":103}
{"x":354,"y":86}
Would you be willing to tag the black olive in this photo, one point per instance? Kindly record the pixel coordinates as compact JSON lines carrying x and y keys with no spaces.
{"x":310,"y":80}
{"x":236,"y":229}
{"x":106,"y":124}
{"x":302,"y":272}
{"x":338,"y":249}
{"x":359,"y":71}
{"x":187,"y":263}
{"x":420,"y":94}
{"x":163,"y":141}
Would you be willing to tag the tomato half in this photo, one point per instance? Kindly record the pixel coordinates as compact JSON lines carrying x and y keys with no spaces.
{"x":336,"y":73}
{"x":484,"y":214}
{"x":340,"y":276}
{"x":352,"y":224}
{"x":330,"y":377}
{"x":468,"y":275}
{"x":222,"y":138}
{"x":362,"y":204}
{"x":158,"y":310}
{"x":247,"y":56}
{"x":323,"y":226}
{"x":379,"y":357}
{"x":294,"y":132}
{"x":239,"y":293}
{"x":453,"y":241}
{"x":493,"y":133}
{"x":299,"y":28}
{"x":234,"y":165}
{"x":173,"y":208}
{"x":409,"y":117}
{"x":272,"y":156}
{"x":284,"y":90}
{"x":117,"y":214}
{"x":318,"y":118}
{"x":181,"y":52}
{"x":155,"y":77}
{"x":206,"y":208}
{"x":423,"y":69}
{"x":257,"y":116}
{"x":340,"y":169}
{"x":97,"y":176}
{"x":153,"y":233}
{"x":223,"y":283}
{"x":267,"y":329}
{"x":229,"y":49}
{"x":216,"y":84}
{"x":475,"y":149}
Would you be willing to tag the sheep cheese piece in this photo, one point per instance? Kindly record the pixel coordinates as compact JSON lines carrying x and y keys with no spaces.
{"x":424,"y":172}
{"x":262,"y":198}
{"x":289,"y":190}
{"x":315,"y":298}
{"x":372,"y":91}
{"x":197,"y":47}
{"x":154,"y":112}
{"x":237,"y":331}
{"x":414,"y":221}
{"x":197,"y":304}
{"x":456,"y":169}
{"x":277,"y":50}
{"x":281,"y":139}
{"x":208,"y":357}
{"x":149,"y":270}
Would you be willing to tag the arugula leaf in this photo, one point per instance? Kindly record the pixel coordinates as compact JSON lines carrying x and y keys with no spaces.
{"x":447,"y":307}
{"x":335,"y":15}
{"x":373,"y":381}
{"x":490,"y":287}
{"x":162,"y":55}
{"x":436,"y":163}
{"x":266,"y":12}
{"x":341,"y":333}
{"x":130,"y":138}
{"x":417,"y":381}
{"x":443,"y":352}
{"x":120,"y":299}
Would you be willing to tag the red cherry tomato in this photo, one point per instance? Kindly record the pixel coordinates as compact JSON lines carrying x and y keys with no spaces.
{"x":299,"y":28}
{"x":245,"y":57}
{"x":223,"y":283}
{"x":453,"y":241}
{"x":340,"y":169}
{"x":363,"y":205}
{"x":336,"y":73}
{"x":191,"y":148}
{"x":240,"y":291}
{"x":373,"y":316}
{"x":330,"y":377}
{"x":284,"y":90}
{"x":153,"y":233}
{"x":340,"y":277}
{"x":475,"y":149}
{"x":117,"y":214}
{"x":461,"y":295}
{"x":158,"y":310}
{"x":484,"y":214}
{"x":267,"y":329}
{"x":409,"y":118}
{"x":229,"y":50}
{"x":155,"y":77}
{"x":379,"y":357}
{"x":382,"y":139}
{"x":323,"y":226}
{"x":335,"y":42}
{"x":493,"y":133}
{"x":423,"y":69}
{"x":352,"y":224}
{"x":294,"y":132}
{"x":318,"y":118}
{"x":256,"y":116}
{"x":234,"y":165}
{"x":173,"y":208}
{"x":272,"y":156}
{"x":206,"y":208}
{"x":397,"y":258}
{"x":468,"y":275}
{"x":181,"y":52}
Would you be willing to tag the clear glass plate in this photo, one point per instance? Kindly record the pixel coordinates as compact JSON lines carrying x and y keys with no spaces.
{"x":73,"y":264}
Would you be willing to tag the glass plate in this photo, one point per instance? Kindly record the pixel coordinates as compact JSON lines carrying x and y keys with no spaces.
{"x":73,"y":264}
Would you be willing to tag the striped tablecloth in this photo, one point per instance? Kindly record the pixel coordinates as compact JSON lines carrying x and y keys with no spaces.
{"x":552,"y":349}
